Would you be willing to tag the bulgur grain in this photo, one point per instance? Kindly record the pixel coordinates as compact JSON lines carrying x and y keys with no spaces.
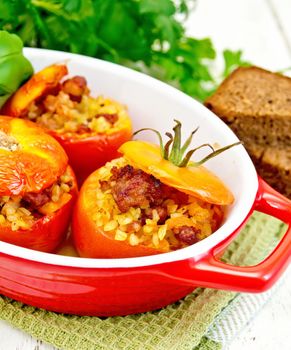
{"x":23,"y":211}
{"x":110,"y":225}
{"x":8,"y":142}
{"x":18,"y":214}
{"x":85,"y":115}
{"x":2,"y":219}
{"x":133,"y":239}
{"x":120,"y":235}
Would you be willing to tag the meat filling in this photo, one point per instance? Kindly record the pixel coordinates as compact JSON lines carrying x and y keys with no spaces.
{"x":36,"y":200}
{"x":68,"y":107}
{"x":21,"y":212}
{"x":160,"y":210}
{"x":111,"y":118}
{"x":186,"y":234}
{"x":75,"y":88}
{"x":132,"y":187}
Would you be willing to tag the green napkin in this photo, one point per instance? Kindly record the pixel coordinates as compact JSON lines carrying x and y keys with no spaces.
{"x":180,"y":326}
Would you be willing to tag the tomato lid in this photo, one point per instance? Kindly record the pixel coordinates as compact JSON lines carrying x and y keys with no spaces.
{"x":30,"y":159}
{"x":196,"y":181}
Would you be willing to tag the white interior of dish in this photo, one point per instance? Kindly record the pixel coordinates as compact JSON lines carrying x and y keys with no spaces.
{"x":154,"y":104}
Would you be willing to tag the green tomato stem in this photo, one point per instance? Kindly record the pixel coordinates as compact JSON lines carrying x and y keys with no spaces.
{"x":175,"y":155}
{"x":159,"y":136}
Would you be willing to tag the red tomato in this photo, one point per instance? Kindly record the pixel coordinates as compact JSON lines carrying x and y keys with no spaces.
{"x":39,"y":84}
{"x":95,"y":240}
{"x":45,"y":234}
{"x":86,"y":152}
{"x":36,"y":162}
{"x":30,"y":162}
{"x":92,"y":241}
{"x":90,"y":153}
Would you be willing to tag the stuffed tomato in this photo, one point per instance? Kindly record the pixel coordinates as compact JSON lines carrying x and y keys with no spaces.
{"x":148,"y":202}
{"x":90,"y":129}
{"x":37,"y":186}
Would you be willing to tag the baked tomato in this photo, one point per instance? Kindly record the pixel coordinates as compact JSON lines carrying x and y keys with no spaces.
{"x":149,"y":201}
{"x":98,"y":223}
{"x":90,"y":129}
{"x":37,"y":186}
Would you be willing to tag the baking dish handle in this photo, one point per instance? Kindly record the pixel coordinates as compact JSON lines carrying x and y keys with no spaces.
{"x":210,"y":272}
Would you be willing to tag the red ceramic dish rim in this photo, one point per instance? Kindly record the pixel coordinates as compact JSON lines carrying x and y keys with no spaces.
{"x":238,"y":212}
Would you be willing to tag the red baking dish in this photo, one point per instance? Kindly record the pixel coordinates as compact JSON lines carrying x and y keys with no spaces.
{"x":106,"y":287}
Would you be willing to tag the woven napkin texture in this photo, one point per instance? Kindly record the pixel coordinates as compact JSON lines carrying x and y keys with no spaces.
{"x":239,"y":313}
{"x":180,"y":326}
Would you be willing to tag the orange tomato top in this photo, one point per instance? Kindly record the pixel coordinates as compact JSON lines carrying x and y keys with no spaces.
{"x":41,"y":82}
{"x":195,"y":181}
{"x":30,"y":159}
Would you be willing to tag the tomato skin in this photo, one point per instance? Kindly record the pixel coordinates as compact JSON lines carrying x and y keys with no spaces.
{"x":45,"y":234}
{"x":90,"y":153}
{"x":91,"y":241}
{"x":41,"y":82}
{"x":38,"y":162}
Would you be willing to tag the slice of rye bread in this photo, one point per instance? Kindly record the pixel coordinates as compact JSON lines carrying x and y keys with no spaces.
{"x":273,"y":165}
{"x":256,"y":104}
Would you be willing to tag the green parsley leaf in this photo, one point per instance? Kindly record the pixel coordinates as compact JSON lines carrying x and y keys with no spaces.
{"x":232,"y":60}
{"x":147,"y":35}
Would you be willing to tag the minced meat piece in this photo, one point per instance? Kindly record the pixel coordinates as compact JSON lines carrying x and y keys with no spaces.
{"x":111,"y":118}
{"x":162,"y":212}
{"x":135,"y":226}
{"x":83,"y":129}
{"x":186,"y":234}
{"x":104,"y":185}
{"x":36,"y":200}
{"x":178,"y":197}
{"x":134,"y":188}
{"x":75,"y":87}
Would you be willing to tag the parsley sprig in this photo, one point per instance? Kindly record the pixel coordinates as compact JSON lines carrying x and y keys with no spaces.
{"x":147,"y":35}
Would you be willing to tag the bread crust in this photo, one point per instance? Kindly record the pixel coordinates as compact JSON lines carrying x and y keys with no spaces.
{"x":256,"y":105}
